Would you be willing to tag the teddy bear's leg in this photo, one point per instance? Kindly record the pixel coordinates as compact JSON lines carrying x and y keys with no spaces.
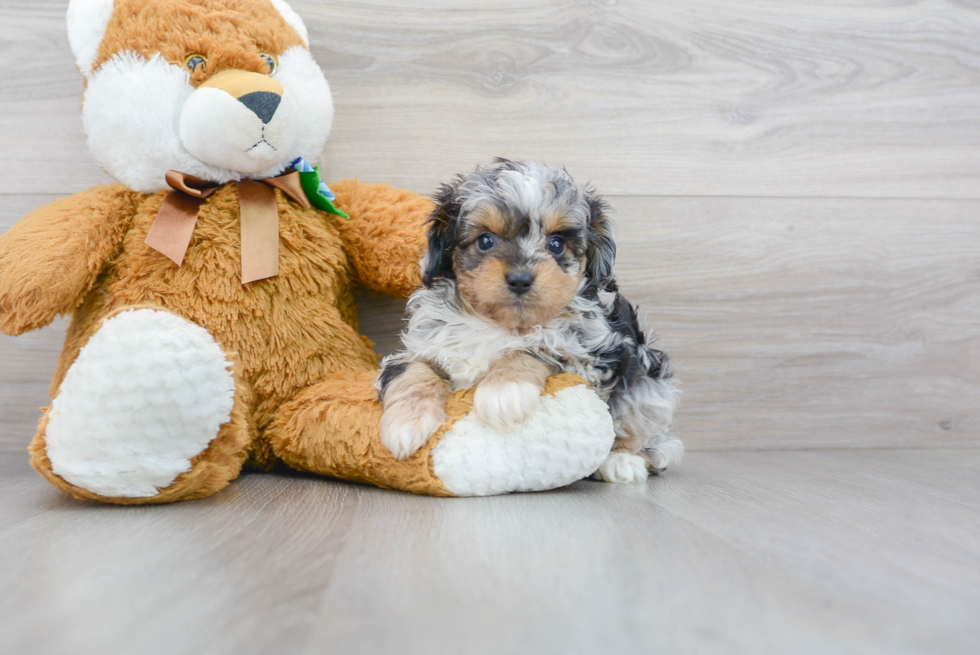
{"x":148,"y":412}
{"x":333,"y":428}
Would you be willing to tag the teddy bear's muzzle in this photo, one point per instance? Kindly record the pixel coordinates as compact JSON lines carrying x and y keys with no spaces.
{"x":262,"y":103}
{"x":238,"y":120}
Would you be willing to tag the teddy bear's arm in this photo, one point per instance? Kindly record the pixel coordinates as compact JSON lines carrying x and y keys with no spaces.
{"x":52,"y":256}
{"x":385,"y":236}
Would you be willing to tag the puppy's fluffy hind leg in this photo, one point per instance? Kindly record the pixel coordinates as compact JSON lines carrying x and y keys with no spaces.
{"x":643,"y":416}
{"x":414,"y":400}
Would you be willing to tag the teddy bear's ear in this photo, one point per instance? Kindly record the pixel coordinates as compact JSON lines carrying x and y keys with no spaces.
{"x":293,"y":19}
{"x":87,"y":22}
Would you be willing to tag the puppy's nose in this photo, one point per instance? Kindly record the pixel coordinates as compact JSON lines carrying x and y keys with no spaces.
{"x":519,"y":282}
{"x":262,"y":103}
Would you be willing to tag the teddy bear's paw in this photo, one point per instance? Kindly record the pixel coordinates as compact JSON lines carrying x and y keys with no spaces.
{"x":407,"y":427}
{"x":147,"y":393}
{"x":622,"y":467}
{"x":565,"y":439}
{"x":505,"y":405}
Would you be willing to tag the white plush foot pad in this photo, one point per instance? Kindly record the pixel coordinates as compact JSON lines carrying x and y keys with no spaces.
{"x":565,"y":439}
{"x":148,"y":392}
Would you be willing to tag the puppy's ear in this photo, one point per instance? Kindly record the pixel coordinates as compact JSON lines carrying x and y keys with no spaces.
{"x":600,"y":252}
{"x":443,"y":230}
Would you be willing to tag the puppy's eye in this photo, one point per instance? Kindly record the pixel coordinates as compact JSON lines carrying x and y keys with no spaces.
{"x":270,"y":62}
{"x":196,"y":63}
{"x":485,"y":241}
{"x":556,"y":244}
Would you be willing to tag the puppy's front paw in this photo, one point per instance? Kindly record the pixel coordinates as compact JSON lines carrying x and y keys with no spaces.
{"x":406,"y":428}
{"x":622,"y":467}
{"x":505,"y":404}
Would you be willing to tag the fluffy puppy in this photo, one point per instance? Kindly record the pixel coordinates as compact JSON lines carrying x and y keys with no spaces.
{"x":518,"y":285}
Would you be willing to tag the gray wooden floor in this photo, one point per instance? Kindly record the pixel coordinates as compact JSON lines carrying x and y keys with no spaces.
{"x":735,"y":552}
{"x":796,"y":187}
{"x":792,"y":323}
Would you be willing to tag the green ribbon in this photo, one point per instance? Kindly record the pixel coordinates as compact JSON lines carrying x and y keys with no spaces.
{"x":317,"y":192}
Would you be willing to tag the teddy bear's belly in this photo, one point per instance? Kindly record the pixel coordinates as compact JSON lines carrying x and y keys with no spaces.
{"x":283,"y":334}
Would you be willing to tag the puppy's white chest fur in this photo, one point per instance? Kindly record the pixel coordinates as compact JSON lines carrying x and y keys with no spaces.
{"x":465,"y":346}
{"x":468,"y":363}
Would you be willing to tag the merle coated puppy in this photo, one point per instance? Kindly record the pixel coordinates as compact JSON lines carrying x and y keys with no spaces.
{"x":518,"y":285}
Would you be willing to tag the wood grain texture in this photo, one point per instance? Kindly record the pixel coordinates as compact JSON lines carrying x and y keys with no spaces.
{"x":793,"y":323}
{"x":812,"y":323}
{"x":756,"y":553}
{"x":804,"y":323}
{"x":800,"y":323}
{"x":709,"y":97}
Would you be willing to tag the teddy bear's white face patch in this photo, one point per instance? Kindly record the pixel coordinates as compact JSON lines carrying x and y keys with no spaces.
{"x":244,"y":125}
{"x":143,"y":118}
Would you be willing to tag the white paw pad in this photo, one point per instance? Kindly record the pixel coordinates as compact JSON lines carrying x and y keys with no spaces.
{"x":504,"y":406}
{"x":625,"y":468}
{"x":147,"y":393}
{"x":405,"y":430}
{"x":562,"y":441}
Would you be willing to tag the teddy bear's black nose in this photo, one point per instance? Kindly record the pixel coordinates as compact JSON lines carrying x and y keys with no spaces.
{"x":263,"y":103}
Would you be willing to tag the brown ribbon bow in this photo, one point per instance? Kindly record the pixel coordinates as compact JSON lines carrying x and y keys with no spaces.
{"x":173,"y":226}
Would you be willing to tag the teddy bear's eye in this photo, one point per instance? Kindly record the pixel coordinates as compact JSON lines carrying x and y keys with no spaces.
{"x":270,"y":61}
{"x":196,"y":63}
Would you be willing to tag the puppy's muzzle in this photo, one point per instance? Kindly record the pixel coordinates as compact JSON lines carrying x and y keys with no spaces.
{"x":519,"y":282}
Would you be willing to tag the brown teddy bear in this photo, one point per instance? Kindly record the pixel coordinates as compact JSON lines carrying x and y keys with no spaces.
{"x":212,"y":291}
